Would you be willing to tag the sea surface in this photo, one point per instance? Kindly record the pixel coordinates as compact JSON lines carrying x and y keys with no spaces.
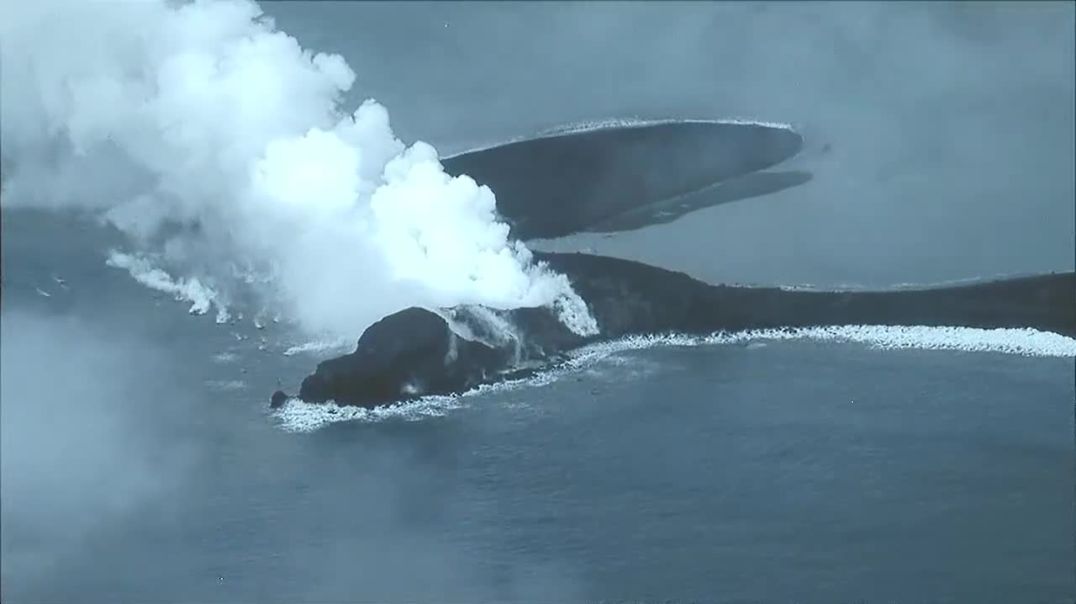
{"x":141,"y":464}
{"x":139,"y":461}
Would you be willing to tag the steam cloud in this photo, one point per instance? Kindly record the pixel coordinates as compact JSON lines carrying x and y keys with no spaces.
{"x":219,"y":146}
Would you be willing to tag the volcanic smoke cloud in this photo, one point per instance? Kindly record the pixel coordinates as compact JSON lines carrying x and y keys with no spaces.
{"x":219,"y":146}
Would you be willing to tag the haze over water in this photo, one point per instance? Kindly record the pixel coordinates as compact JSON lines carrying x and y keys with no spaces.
{"x":140,"y":463}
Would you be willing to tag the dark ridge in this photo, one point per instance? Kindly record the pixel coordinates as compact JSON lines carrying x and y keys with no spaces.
{"x":631,"y":297}
{"x":414,"y":352}
{"x":565,"y":183}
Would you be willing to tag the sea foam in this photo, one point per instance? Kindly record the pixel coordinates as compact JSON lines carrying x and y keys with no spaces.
{"x":299,"y":416}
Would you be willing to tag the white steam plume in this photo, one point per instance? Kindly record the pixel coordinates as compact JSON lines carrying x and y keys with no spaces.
{"x":218,"y":144}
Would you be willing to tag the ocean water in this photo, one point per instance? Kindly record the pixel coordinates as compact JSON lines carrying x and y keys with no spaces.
{"x":140,"y":463}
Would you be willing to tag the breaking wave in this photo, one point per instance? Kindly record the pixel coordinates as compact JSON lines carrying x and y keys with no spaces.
{"x":299,"y":416}
{"x":320,"y":346}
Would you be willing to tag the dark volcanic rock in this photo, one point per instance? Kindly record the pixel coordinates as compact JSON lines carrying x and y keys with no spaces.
{"x":628,"y":297}
{"x":415,"y":352}
{"x":407,"y":354}
{"x":631,"y":297}
{"x":278,"y":399}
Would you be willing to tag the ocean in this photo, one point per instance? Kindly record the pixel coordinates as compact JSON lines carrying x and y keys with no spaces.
{"x":140,"y":461}
{"x":141,"y":464}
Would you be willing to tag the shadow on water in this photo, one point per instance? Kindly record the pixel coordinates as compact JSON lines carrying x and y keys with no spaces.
{"x":737,"y":189}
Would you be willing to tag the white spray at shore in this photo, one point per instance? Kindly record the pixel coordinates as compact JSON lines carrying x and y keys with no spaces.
{"x":220,"y":147}
{"x":299,"y":416}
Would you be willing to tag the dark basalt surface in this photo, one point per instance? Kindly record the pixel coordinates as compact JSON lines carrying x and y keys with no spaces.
{"x":410,"y":352}
{"x":415,"y":352}
{"x":565,"y":183}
